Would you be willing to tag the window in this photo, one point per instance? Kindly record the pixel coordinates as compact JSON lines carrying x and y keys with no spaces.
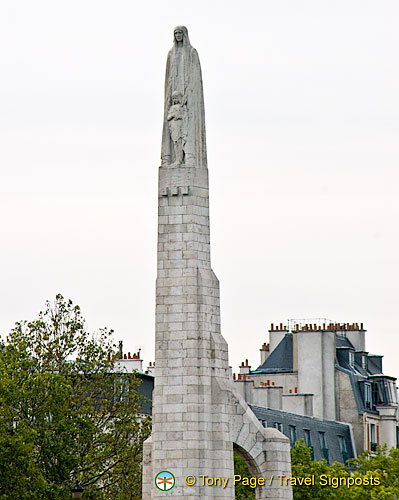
{"x":278,"y":426}
{"x":264,"y":423}
{"x":364,"y":361}
{"x":121,"y":389}
{"x":323,"y":445}
{"x":384,"y":392}
{"x":373,"y":438}
{"x":292,"y":434}
{"x":368,"y":401}
{"x":393,"y":392}
{"x":397,"y":436}
{"x":351,"y":359}
{"x":378,"y":397}
{"x":343,"y":448}
{"x":308,"y":441}
{"x":322,"y":437}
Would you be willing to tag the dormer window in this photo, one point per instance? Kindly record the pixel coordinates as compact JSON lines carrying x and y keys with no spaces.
{"x":364,"y":361}
{"x":384,"y":391}
{"x":367,"y":396}
{"x":351,"y":359}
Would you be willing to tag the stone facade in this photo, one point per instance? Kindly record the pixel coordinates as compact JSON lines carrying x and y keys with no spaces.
{"x":323,"y":371}
{"x":198,"y":416}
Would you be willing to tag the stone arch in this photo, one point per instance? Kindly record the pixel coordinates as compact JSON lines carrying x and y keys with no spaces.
{"x":266,"y":451}
{"x":248,"y":459}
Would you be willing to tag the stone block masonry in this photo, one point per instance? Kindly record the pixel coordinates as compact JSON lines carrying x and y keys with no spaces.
{"x":198,"y":417}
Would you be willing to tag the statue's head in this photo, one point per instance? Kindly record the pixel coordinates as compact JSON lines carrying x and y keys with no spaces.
{"x":180,"y":35}
{"x":176,"y":97}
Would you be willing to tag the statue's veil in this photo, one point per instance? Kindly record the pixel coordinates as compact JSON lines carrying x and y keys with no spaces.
{"x":186,"y":40}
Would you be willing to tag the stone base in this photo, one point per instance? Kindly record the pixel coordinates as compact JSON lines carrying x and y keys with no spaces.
{"x":266,"y":452}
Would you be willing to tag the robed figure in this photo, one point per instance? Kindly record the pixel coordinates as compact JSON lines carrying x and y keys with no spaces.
{"x":183,"y":137}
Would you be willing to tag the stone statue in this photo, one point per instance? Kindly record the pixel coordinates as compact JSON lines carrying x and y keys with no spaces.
{"x":177,"y":127}
{"x":183,"y":137}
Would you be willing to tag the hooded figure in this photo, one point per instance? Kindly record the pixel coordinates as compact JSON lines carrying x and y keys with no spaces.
{"x":183,"y":75}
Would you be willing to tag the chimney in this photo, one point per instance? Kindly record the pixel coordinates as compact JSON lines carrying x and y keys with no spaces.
{"x":264,"y":353}
{"x":245,"y":368}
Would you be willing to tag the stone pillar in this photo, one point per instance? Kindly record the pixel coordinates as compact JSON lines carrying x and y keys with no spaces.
{"x":197,"y":414}
{"x":190,"y":419}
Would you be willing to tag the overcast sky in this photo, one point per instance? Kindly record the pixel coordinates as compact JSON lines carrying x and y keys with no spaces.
{"x":302,"y":117}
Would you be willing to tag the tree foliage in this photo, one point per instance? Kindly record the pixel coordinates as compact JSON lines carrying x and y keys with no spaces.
{"x":242,"y":492}
{"x":368,"y":477}
{"x":374,"y":476}
{"x":65,"y":413}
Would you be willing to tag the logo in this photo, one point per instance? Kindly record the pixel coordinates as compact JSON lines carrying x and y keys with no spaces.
{"x":164,"y":480}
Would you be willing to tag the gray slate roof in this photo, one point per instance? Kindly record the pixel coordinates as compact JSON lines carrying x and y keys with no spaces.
{"x":280,"y":360}
{"x":333,"y":431}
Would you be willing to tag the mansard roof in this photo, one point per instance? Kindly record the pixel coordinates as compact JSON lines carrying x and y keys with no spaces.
{"x":280,"y":359}
{"x":333,"y":431}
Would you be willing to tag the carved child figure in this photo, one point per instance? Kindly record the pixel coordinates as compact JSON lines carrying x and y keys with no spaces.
{"x":176,"y":126}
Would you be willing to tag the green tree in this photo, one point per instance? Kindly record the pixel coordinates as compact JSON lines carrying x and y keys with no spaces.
{"x":382,"y":466}
{"x":371,"y":477}
{"x":65,"y":413}
{"x":302,"y":466}
{"x":240,"y":468}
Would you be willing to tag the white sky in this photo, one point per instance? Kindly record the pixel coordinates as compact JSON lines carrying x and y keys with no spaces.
{"x":302,"y":113}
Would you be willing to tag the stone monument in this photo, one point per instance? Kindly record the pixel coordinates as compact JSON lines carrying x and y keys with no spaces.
{"x":198,"y":417}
